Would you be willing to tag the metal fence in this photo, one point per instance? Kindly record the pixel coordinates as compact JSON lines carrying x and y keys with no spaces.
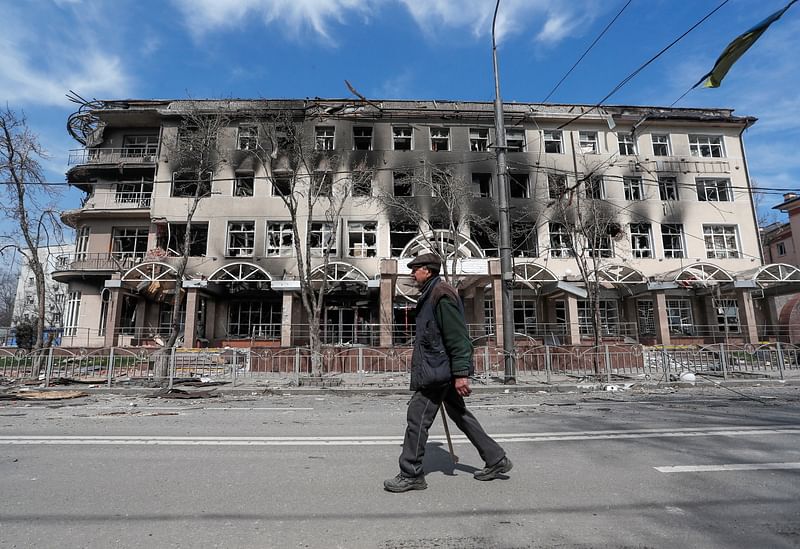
{"x":367,"y":365}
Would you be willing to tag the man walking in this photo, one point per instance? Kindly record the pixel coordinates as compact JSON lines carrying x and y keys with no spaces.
{"x":440,"y":368}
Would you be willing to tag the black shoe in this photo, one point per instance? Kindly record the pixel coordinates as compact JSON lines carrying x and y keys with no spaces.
{"x":493,"y":472}
{"x":402,"y":483}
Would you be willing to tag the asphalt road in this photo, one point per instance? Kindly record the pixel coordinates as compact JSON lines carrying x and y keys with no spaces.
{"x":692,"y":468}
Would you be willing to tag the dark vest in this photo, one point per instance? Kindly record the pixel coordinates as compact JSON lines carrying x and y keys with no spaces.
{"x":430,"y":365}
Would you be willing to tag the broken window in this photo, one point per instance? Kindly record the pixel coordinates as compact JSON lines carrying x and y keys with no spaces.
{"x":362,"y":183}
{"x":661,"y":145}
{"x":609,"y":317}
{"x":714,"y":190}
{"x":321,"y":239}
{"x":679,"y":317}
{"x":129,"y":242}
{"x":247,"y":140}
{"x":190,"y":184}
{"x":403,"y":184}
{"x":721,"y":241}
{"x":588,"y":142}
{"x":254,"y":319}
{"x":362,"y":239}
{"x":486,"y":240}
{"x":552,"y":141}
{"x":243,"y":184}
{"x":280,"y":240}
{"x":600,"y":246}
{"x":668,"y":188}
{"x":322,"y":184}
{"x":627,"y":144}
{"x":362,"y":138}
{"x":524,"y":240}
{"x":560,"y":241}
{"x":281,"y":185}
{"x":556,"y":185}
{"x":515,"y":140}
{"x":440,"y":139}
{"x":135,"y":194}
{"x":646,"y":316}
{"x":727,"y":314}
{"x":706,"y":146}
{"x":324,"y":138}
{"x":641,"y":242}
{"x":595,"y":187}
{"x":478,"y":139}
{"x":482,"y":184}
{"x":525,"y":316}
{"x":140,"y":146}
{"x":400,"y":234}
{"x":518,"y":183}
{"x":633,"y":188}
{"x":241,"y":239}
{"x":672,"y":239}
{"x":173,"y":239}
{"x":402,"y":138}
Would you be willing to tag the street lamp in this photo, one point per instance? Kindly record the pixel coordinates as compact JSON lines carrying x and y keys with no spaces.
{"x":506,"y":265}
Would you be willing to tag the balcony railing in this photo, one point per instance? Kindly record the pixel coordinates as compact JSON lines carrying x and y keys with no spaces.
{"x":676,"y":165}
{"x":131,"y":155}
{"x":98,"y":262}
{"x":121,"y":200}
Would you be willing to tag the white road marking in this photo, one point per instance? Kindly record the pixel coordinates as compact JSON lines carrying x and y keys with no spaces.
{"x":372,"y":440}
{"x":727,"y":467}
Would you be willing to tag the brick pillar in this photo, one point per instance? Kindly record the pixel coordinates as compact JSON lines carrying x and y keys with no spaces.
{"x":660,"y":316}
{"x":573,"y":327}
{"x":190,"y":322}
{"x":747,"y":316}
{"x":113,"y":317}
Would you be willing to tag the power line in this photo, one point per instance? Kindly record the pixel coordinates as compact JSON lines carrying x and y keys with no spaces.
{"x":586,"y":52}
{"x":643,"y":66}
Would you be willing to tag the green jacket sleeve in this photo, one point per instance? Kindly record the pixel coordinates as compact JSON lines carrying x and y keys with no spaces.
{"x":455,"y":336}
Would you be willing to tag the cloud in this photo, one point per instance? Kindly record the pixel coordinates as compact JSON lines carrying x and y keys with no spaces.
{"x":203,"y":16}
{"x":38,"y":67}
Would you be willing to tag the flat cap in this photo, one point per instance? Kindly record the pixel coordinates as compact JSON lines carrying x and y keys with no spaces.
{"x":431,"y":261}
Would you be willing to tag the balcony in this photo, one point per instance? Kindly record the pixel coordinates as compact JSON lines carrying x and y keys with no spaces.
{"x":681,"y":165}
{"x":125,"y":155}
{"x":121,"y":199}
{"x":98,"y":263}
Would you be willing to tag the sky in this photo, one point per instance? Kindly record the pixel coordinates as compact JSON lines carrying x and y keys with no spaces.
{"x":401,"y":49}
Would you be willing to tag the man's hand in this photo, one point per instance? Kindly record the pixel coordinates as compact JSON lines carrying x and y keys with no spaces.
{"x":462,"y":386}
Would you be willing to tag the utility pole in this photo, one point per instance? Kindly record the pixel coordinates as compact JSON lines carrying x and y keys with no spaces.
{"x":506,"y":265}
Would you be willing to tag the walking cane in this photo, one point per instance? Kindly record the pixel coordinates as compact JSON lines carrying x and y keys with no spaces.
{"x":443,"y":413}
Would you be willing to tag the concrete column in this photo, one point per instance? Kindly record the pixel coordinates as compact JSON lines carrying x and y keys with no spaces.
{"x":747,"y":316}
{"x":573,"y":327}
{"x":386,"y":307}
{"x":113,"y":317}
{"x":660,"y":317}
{"x":630,"y":318}
{"x":286,"y":319}
{"x":479,"y":309}
{"x":190,"y":322}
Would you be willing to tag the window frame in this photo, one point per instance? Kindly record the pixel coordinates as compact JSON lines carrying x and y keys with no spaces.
{"x":478,"y":179}
{"x":630,"y":190}
{"x":667,"y":144}
{"x":247,"y":137}
{"x":699,"y":144}
{"x":556,"y":185}
{"x":249,"y":235}
{"x":588,"y":139}
{"x":641,"y":233}
{"x":720,"y":187}
{"x":673,"y":233}
{"x":324,"y":138}
{"x":479,"y":139}
{"x":398,"y":136}
{"x":238,"y":177}
{"x":361,"y":139}
{"x":324,"y":232}
{"x":729,"y":231}
{"x":549,"y":139}
{"x":668,"y":185}
{"x":362,"y":229}
{"x":627,"y":144}
{"x":594,"y":188}
{"x":560,"y":241}
{"x":443,"y":137}
{"x":515,"y":140}
{"x":515,"y":181}
{"x":274,"y":245}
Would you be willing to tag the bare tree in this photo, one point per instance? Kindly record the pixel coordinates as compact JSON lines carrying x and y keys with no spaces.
{"x":194,"y":154}
{"x":309,"y":177}
{"x":440,"y":202}
{"x":583,"y":229}
{"x":8,"y":293}
{"x":29,"y":202}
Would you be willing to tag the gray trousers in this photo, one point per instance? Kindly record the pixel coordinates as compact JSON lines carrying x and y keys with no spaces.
{"x":422,"y":411}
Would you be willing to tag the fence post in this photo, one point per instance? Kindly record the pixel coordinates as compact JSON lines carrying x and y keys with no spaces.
{"x":665,"y":362}
{"x":297,"y":366}
{"x":235,"y":365}
{"x":723,"y":360}
{"x":171,"y":367}
{"x":361,"y":366}
{"x":49,"y":368}
{"x":487,"y":364}
{"x":608,"y":363}
{"x":110,"y":366}
{"x":548,"y":366}
{"x":781,"y":364}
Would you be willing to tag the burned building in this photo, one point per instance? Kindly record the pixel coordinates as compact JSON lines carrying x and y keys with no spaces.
{"x":679,"y":260}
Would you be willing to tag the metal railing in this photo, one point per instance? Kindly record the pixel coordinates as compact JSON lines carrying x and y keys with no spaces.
{"x":132,"y":155}
{"x":121,"y":261}
{"x":606,"y":364}
{"x":121,"y":200}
